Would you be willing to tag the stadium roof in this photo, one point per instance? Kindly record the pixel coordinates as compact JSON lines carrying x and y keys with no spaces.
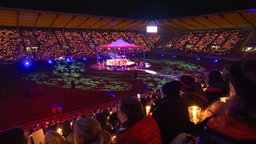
{"x":177,"y":15}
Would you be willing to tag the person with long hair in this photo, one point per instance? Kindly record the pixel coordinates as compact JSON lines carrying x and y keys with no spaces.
{"x":52,"y":137}
{"x":88,"y":131}
{"x":136,"y":128}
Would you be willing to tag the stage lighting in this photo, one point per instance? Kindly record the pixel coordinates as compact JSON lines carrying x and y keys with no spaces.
{"x":151,"y":27}
{"x":26,"y":63}
{"x":68,"y":60}
{"x":215,"y":61}
{"x":198,"y":58}
{"x":50,"y":62}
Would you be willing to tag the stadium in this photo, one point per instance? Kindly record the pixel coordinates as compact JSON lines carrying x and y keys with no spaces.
{"x":55,"y":65}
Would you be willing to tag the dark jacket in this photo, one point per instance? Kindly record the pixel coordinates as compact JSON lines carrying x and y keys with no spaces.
{"x":216,"y":90}
{"x":195,"y":96}
{"x":172,"y":117}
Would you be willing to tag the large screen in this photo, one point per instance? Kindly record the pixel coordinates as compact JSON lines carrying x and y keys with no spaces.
{"x":152,"y":29}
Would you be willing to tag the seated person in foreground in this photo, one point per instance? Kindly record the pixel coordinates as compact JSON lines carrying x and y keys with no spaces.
{"x":192,"y":92}
{"x":88,"y":131}
{"x":216,"y":88}
{"x":13,"y":136}
{"x":233,"y":122}
{"x":52,"y":137}
{"x":171,"y":113}
{"x":136,"y":128}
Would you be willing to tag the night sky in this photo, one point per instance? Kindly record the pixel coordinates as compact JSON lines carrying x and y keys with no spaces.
{"x":134,"y":9}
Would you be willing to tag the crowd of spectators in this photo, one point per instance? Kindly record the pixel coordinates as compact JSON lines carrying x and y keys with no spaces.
{"x":43,"y":44}
{"x":11,"y":46}
{"x":17,"y":44}
{"x":120,"y":120}
{"x":207,"y":43}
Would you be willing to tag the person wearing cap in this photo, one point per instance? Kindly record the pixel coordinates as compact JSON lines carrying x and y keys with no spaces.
{"x":171,"y":113}
{"x":192,"y":92}
{"x":235,"y":120}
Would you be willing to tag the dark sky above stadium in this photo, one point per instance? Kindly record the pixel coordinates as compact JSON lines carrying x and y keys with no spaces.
{"x":134,"y":9}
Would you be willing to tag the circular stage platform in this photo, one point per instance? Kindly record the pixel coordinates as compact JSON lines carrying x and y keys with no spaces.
{"x":119,"y":63}
{"x":101,"y":66}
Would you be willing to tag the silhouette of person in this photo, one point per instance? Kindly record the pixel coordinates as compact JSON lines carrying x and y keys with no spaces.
{"x":135,"y":73}
{"x":73,"y":85}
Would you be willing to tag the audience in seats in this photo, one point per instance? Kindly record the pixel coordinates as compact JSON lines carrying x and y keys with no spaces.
{"x":52,"y":137}
{"x":236,"y":119}
{"x":217,"y":87}
{"x":171,"y":113}
{"x":232,"y":122}
{"x":136,"y":128}
{"x":102,"y":119}
{"x":52,"y":44}
{"x":115,"y":124}
{"x":88,"y":131}
{"x":68,"y":132}
{"x":59,"y":43}
{"x":192,"y":92}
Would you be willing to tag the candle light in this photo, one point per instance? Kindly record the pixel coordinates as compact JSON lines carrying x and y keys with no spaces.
{"x":138,"y":95}
{"x":194,"y":114}
{"x":113,"y":137}
{"x":59,"y":130}
{"x":71,"y":123}
{"x":223,"y":99}
{"x":148,"y":107}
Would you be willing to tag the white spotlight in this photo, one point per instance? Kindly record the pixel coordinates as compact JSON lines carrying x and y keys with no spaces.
{"x":152,"y":27}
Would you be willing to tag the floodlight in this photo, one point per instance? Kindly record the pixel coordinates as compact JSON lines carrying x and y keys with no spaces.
{"x":152,"y":27}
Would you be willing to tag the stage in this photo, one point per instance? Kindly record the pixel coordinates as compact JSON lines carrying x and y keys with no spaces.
{"x":120,"y":63}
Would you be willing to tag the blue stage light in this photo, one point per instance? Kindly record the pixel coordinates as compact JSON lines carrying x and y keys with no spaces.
{"x":26,"y":63}
{"x":215,"y":60}
{"x":111,"y":94}
{"x":50,"y":62}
